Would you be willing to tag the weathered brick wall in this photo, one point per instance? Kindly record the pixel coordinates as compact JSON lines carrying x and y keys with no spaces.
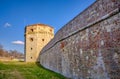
{"x":89,"y":45}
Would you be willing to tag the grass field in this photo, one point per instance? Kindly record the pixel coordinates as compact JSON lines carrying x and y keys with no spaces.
{"x":22,"y":70}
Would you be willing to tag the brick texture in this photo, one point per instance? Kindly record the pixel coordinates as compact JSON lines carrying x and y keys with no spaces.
{"x":88,"y":47}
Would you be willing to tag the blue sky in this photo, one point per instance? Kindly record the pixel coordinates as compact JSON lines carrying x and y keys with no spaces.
{"x":16,"y":14}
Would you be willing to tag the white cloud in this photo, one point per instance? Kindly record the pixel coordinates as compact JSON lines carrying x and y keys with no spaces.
{"x":18,"y":42}
{"x":7,"y":25}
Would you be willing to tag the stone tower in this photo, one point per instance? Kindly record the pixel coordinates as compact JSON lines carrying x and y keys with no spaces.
{"x":36,"y":37}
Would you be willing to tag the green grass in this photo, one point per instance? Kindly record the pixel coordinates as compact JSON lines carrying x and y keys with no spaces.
{"x":22,"y":70}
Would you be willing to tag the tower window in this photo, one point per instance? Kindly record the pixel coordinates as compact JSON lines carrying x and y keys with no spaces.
{"x":31,"y":30}
{"x":31,"y":57}
{"x":31,"y":39}
{"x":31,"y":48}
{"x":50,"y":30}
{"x":43,"y":39}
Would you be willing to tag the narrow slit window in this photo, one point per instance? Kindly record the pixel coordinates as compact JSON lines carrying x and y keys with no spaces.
{"x":50,"y":30}
{"x":43,"y":39}
{"x":31,"y":39}
{"x":31,"y":30}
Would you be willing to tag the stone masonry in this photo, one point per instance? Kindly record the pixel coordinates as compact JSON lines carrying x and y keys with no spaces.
{"x":87,"y":47}
{"x":36,"y":37}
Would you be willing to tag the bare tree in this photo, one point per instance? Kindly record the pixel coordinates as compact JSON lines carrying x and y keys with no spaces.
{"x":11,"y":53}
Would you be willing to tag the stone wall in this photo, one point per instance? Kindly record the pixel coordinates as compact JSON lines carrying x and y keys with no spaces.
{"x":88,"y":47}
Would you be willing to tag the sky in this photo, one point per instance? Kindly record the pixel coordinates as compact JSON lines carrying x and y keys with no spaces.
{"x":16,"y":14}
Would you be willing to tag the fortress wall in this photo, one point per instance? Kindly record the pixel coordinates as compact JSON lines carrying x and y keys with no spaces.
{"x":89,"y":45}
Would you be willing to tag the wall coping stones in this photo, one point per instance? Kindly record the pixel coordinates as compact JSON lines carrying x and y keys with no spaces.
{"x":58,"y":37}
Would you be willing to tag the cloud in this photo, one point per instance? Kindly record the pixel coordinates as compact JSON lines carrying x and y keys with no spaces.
{"x":18,"y":42}
{"x":7,"y":25}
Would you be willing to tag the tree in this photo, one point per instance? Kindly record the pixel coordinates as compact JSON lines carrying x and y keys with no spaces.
{"x":11,"y":53}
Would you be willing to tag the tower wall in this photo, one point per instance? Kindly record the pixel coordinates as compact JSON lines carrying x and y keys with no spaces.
{"x":36,"y":37}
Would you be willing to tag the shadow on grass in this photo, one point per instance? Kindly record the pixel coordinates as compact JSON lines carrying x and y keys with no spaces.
{"x":39,"y":65}
{"x":58,"y":74}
